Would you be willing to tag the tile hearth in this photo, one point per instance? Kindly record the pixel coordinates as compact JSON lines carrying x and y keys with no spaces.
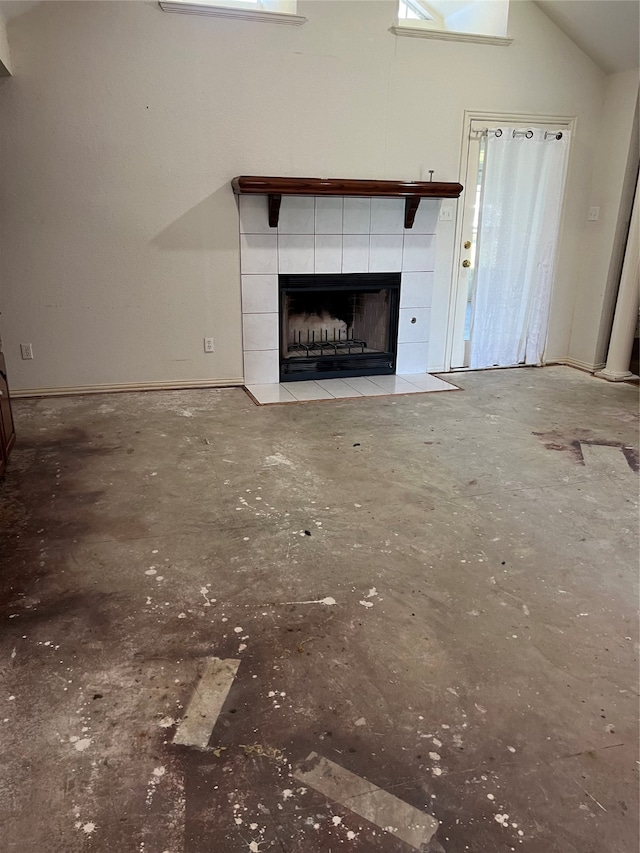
{"x":348,"y":388}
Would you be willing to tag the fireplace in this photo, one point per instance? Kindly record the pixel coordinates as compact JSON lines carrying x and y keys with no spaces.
{"x":321,"y":242}
{"x":338,"y":325}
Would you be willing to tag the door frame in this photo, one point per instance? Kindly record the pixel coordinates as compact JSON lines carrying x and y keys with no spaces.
{"x":570,"y":122}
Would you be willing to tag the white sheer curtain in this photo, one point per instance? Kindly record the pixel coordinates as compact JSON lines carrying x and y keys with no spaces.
{"x":517,"y":237}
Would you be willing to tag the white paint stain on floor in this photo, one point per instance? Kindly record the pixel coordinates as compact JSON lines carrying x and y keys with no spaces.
{"x":154,"y":781}
{"x":277,"y":459}
{"x":80,"y":744}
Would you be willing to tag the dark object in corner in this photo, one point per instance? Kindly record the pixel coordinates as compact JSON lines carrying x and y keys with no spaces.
{"x":7,"y":428}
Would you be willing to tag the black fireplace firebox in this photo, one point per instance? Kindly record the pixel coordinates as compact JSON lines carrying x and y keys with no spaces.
{"x":338,"y":325}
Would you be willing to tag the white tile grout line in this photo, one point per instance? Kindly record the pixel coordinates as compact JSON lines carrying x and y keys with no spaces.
{"x":365,"y":799}
{"x":206,"y":703}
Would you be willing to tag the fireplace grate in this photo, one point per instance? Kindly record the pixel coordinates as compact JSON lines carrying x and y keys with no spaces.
{"x":323,"y":345}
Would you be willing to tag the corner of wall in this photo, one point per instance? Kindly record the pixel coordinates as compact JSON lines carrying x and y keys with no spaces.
{"x":5,"y":63}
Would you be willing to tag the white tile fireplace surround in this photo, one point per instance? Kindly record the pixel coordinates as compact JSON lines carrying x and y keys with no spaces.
{"x":333,"y":235}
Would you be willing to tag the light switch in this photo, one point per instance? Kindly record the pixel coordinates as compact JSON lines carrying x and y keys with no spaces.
{"x":594,"y":214}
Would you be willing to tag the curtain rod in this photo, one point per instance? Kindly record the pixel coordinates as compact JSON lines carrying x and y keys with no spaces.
{"x":528,"y":134}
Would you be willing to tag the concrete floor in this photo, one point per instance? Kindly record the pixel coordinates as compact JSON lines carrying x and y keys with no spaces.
{"x":480,"y":662}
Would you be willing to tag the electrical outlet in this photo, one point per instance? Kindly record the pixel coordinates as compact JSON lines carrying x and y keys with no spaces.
{"x":446,"y":213}
{"x":26,"y":351}
{"x":208,"y":345}
{"x":594,"y":214}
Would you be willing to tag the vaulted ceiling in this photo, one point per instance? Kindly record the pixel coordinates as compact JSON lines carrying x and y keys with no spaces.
{"x":608,"y":31}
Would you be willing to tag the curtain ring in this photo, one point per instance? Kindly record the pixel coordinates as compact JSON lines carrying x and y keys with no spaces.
{"x":498,"y":132}
{"x":529,"y":134}
{"x":559,"y":135}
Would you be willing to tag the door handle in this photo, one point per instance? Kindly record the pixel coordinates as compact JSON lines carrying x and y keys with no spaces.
{"x":466,"y":264}
{"x":467,"y":244}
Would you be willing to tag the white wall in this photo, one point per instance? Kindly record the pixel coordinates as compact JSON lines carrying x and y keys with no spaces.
{"x":123,"y":125}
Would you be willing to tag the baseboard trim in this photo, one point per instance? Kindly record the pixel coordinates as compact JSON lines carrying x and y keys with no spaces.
{"x":74,"y":390}
{"x":579,"y":365}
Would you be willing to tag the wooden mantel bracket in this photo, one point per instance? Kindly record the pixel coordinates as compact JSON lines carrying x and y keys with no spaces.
{"x":410,"y":210}
{"x":274,"y":209}
{"x":411,"y":191}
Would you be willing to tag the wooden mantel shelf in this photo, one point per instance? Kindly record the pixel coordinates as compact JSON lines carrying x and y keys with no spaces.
{"x":411,"y":191}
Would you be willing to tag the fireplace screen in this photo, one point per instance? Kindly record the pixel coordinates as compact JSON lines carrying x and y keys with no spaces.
{"x":338,"y":325}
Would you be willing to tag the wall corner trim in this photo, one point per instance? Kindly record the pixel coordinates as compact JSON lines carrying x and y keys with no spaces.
{"x":74,"y":390}
{"x":577,"y":363}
